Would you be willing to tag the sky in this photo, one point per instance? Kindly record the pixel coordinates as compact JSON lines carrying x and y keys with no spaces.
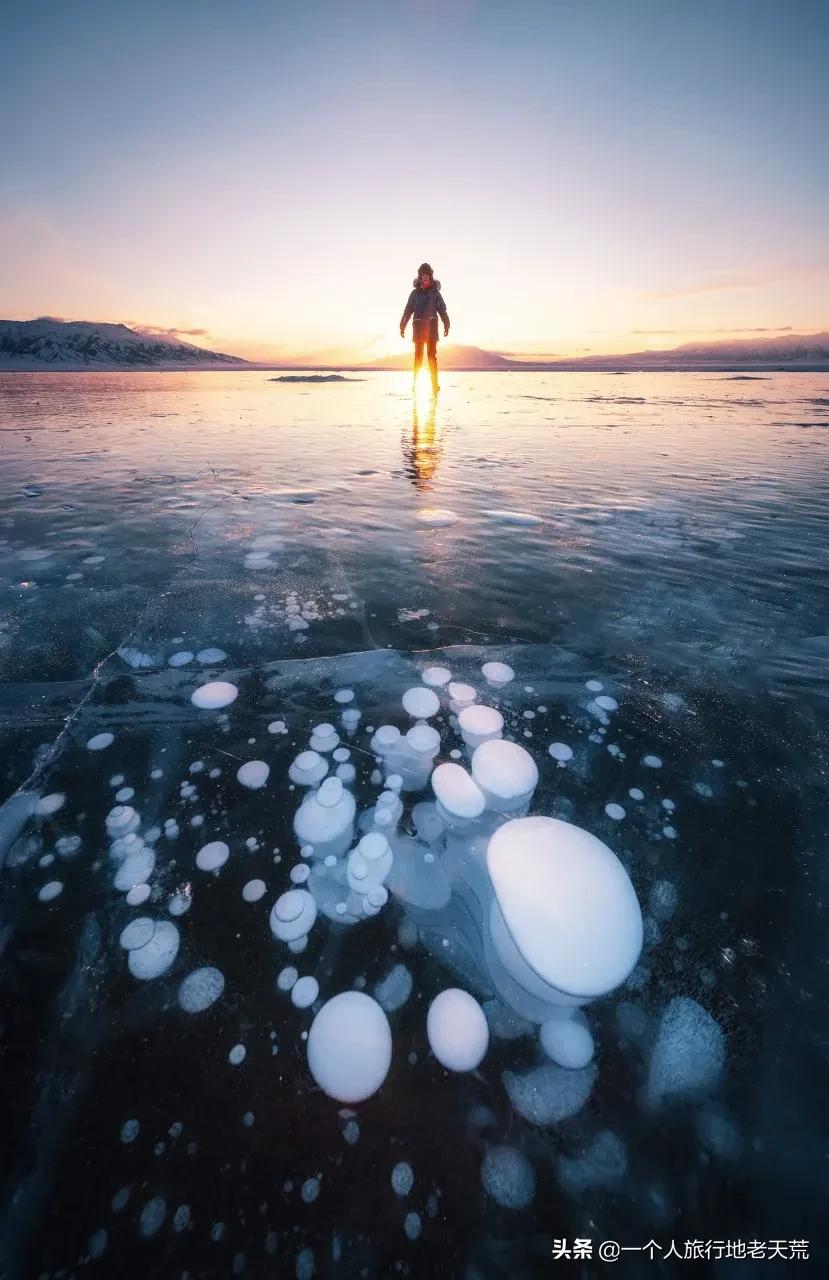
{"x":264,"y":178}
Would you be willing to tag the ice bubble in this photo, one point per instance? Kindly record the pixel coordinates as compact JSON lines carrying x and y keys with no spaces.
{"x":614,"y":811}
{"x":346,"y":772}
{"x":129,"y":1132}
{"x":560,"y":751}
{"x":567,"y":1040}
{"x":180,"y":659}
{"x":136,"y":658}
{"x":310,"y":1190}
{"x":137,"y":933}
{"x":277,"y":726}
{"x":344,"y":695}
{"x":506,"y":773}
{"x":216,"y":694}
{"x":152,"y":1217}
{"x":181,"y":902}
{"x":286,"y":978}
{"x":47,"y":805}
{"x":50,"y":891}
{"x":461,"y":694}
{"x":652,"y":762}
{"x":567,"y":902}
{"x":436,"y":676}
{"x":498,"y":673}
{"x":606,"y":702}
{"x":200,"y":989}
{"x":138,"y":894}
{"x":68,"y":846}
{"x":98,"y":1243}
{"x":412,"y":1225}
{"x":253,"y":890}
{"x":349,"y":1047}
{"x":424,"y":739}
{"x":305,"y":1266}
{"x":135,"y":869}
{"x":689,"y":1053}
{"x":326,"y":814}
{"x":375,"y":900}
{"x":436,"y":517}
{"x":636,"y":793}
{"x":457,"y":1029}
{"x":384,"y":739}
{"x":324,"y":738}
{"x":212,"y":856}
{"x":595,"y":686}
{"x":156,"y":957}
{"x":304,"y":992}
{"x":370,"y":863}
{"x":395,"y":989}
{"x":457,"y":794}
{"x":253,"y":774}
{"x":480,"y":724}
{"x":237,"y":1055}
{"x":293,"y":915}
{"x":549,"y":1094}
{"x":421,"y":702}
{"x":308,"y":769}
{"x":341,"y":754}
{"x":508,"y":1177}
{"x":210,"y":655}
{"x":604,"y":1161}
{"x":181,"y":1218}
{"x":100,"y":741}
{"x":402,"y":1178}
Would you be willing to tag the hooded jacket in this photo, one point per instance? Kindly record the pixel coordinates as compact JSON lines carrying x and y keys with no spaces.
{"x":425,"y":305}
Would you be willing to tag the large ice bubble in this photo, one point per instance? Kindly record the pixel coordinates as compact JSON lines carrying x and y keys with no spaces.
{"x":349,"y":1047}
{"x":458,"y":1030}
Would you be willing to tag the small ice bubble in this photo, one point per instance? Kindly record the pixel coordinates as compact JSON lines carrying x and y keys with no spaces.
{"x":349,"y":1047}
{"x":137,"y":933}
{"x":50,"y":891}
{"x":100,"y":741}
{"x":287,"y":978}
{"x":614,"y":811}
{"x":292,"y":915}
{"x":237,"y":1055}
{"x":304,"y":992}
{"x":181,"y":1218}
{"x":606,"y":702}
{"x":98,"y":1243}
{"x":437,"y":677}
{"x":402,"y":1178}
{"x":180,"y":659}
{"x":212,"y":856}
{"x":461,"y":694}
{"x":156,"y":957}
{"x":138,"y":894}
{"x":456,"y":792}
{"x":498,"y":673}
{"x":508,"y":1177}
{"x":253,"y":774}
{"x":48,"y":805}
{"x":412,"y":1225}
{"x":567,"y":1040}
{"x":253,"y":890}
{"x":310,"y":1190}
{"x":457,"y":1030}
{"x":129,"y":1132}
{"x":152,"y":1216}
{"x":595,"y":686}
{"x":652,"y":762}
{"x":344,"y":695}
{"x":216,"y":694}
{"x":560,"y":751}
{"x":200,"y":989}
{"x":421,"y":703}
{"x":636,"y":793}
{"x":210,"y":655}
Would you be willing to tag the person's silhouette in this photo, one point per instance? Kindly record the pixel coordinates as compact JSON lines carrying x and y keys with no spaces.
{"x":425,"y":304}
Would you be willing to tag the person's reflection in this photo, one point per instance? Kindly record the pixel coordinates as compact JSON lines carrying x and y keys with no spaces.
{"x":422,"y":450}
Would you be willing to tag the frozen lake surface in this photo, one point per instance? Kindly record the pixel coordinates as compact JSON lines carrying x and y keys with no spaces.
{"x":220,"y":953}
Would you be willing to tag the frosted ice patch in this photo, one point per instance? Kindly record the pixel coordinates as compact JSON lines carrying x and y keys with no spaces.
{"x":508,"y":1177}
{"x":689,"y":1053}
{"x":567,"y":902}
{"x":560,"y":751}
{"x":253,"y":890}
{"x":157,"y":955}
{"x":349,"y":1047}
{"x":253,"y":774}
{"x":421,"y":702}
{"x":395,"y":989}
{"x":549,"y":1094}
{"x":212,"y":856}
{"x":100,"y":741}
{"x":200,"y":989}
{"x":216,"y":694}
{"x":604,"y":1162}
{"x":457,"y":1030}
{"x":402,"y":1178}
{"x":180,"y":659}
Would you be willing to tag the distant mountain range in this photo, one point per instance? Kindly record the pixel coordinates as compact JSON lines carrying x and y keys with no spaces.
{"x":47,"y":343}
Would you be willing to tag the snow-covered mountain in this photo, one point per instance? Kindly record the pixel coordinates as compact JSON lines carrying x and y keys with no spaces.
{"x":48,"y":343}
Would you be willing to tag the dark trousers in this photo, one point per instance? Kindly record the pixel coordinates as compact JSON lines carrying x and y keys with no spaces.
{"x":426,"y":339}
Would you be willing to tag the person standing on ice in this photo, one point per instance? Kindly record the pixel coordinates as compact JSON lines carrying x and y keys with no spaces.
{"x":425,"y":304}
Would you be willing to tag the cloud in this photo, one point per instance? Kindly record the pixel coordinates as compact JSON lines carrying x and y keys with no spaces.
{"x":160,"y":332}
{"x":722,"y":284}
